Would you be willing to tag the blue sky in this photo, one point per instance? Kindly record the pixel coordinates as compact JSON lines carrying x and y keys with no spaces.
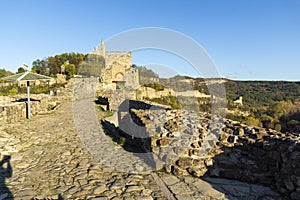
{"x":247,"y":40}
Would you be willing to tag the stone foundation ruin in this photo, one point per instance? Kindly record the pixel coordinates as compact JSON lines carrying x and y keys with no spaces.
{"x":187,"y":143}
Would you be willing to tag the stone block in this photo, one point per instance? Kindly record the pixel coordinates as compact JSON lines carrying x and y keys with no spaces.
{"x":163,"y":142}
{"x":184,"y":162}
{"x":289,"y":184}
{"x":197,"y":171}
{"x":179,"y":171}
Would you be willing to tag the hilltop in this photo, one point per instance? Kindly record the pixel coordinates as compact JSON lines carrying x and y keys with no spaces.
{"x":269,"y":104}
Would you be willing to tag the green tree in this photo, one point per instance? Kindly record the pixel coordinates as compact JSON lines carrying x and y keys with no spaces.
{"x":53,"y":63}
{"x":93,"y":65}
{"x":39,"y":66}
{"x":4,"y":73}
{"x":70,"y":69}
{"x":21,"y":70}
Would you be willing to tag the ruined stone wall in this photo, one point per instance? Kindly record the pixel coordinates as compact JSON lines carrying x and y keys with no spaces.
{"x":152,"y":93}
{"x":10,"y":113}
{"x":192,"y":93}
{"x":14,"y":111}
{"x":132,"y":79}
{"x":190,"y":145}
{"x":61,"y":78}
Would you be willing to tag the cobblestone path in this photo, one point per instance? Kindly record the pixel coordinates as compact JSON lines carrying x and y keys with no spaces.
{"x":93,"y":136}
{"x":48,"y":159}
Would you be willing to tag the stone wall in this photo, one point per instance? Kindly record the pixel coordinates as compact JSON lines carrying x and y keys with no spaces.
{"x":193,"y":93}
{"x":189,"y":144}
{"x":11,"y":112}
{"x":152,"y":93}
{"x":132,"y":79}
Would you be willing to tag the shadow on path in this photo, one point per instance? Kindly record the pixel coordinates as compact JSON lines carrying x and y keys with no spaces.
{"x":5,"y":172}
{"x":131,"y":134}
{"x":271,"y":162}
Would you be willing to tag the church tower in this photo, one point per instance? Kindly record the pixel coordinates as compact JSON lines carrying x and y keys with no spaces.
{"x":102,"y":49}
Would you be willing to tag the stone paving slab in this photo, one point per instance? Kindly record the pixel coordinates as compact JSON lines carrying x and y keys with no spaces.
{"x":215,"y":188}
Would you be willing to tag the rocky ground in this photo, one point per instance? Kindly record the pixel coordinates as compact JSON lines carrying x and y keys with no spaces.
{"x":48,"y":159}
{"x":192,"y":145}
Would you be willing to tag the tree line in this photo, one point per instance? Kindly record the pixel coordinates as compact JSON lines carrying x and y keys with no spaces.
{"x":66,"y":63}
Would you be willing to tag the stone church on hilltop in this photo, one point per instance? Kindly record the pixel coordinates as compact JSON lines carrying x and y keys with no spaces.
{"x":118,"y":68}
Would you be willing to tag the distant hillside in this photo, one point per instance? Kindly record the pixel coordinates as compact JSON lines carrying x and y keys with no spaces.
{"x":263,"y":93}
{"x":4,"y":73}
{"x":146,"y":75}
{"x":271,"y":104}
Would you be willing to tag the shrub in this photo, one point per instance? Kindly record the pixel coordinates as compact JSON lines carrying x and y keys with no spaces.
{"x":13,"y":92}
{"x":156,"y":86}
{"x":176,"y":105}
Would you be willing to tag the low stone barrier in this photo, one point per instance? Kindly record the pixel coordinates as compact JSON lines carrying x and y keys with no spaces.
{"x":12,"y":111}
{"x":189,"y":144}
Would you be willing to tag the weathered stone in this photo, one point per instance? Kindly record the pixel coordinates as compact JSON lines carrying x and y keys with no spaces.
{"x":298,"y":182}
{"x":183,"y":196}
{"x":180,"y":188}
{"x":228,"y":130}
{"x":253,"y":136}
{"x":295,"y":155}
{"x":22,"y":165}
{"x":289,"y":184}
{"x":195,"y":144}
{"x":116,"y":198}
{"x":185,"y":162}
{"x":232,"y":139}
{"x":197,"y":171}
{"x":174,"y":134}
{"x":127,"y":197}
{"x":81,"y":193}
{"x":146,"y":192}
{"x":178,"y":171}
{"x":116,"y":185}
{"x":208,"y":162}
{"x":163,"y":142}
{"x":198,"y":162}
{"x":239,"y":132}
{"x":197,"y":152}
{"x":207,"y":190}
{"x":132,"y":188}
{"x":297,"y":172}
{"x":170,"y":179}
{"x":295,"y":196}
{"x":100,"y":189}
{"x":145,"y":198}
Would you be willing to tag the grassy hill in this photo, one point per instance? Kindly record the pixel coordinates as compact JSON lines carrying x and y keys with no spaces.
{"x":270,"y":104}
